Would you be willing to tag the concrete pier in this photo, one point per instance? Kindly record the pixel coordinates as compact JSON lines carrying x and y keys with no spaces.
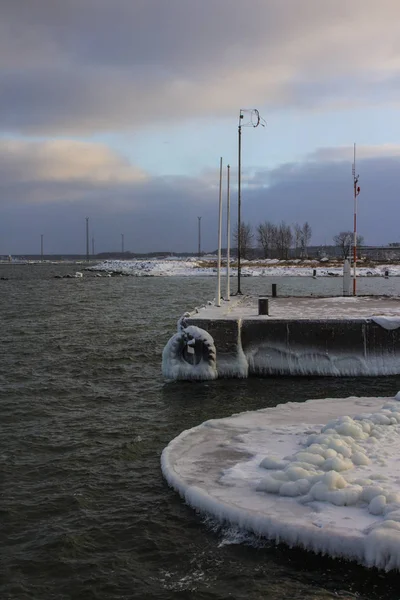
{"x":340,"y":336}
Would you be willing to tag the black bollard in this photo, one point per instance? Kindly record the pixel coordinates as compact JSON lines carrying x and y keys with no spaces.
{"x":386,"y":274}
{"x":314,"y":272}
{"x":274,"y":290}
{"x":263,"y":306}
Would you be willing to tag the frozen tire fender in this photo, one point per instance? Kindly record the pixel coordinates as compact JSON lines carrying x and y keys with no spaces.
{"x":190,"y":354}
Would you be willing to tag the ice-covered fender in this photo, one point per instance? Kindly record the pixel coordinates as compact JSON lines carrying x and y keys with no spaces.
{"x":190,"y":354}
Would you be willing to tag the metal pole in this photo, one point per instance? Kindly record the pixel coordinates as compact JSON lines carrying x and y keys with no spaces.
{"x":218,"y":299}
{"x":356,"y":192}
{"x":228,"y":234}
{"x":87,"y":239}
{"x":199,"y":236}
{"x":239,"y":241}
{"x":92,"y":246}
{"x":41,"y":247}
{"x":252,"y":123}
{"x":355,"y":246}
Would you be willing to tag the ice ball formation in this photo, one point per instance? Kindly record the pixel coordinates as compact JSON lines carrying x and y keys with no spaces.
{"x":324,"y":469}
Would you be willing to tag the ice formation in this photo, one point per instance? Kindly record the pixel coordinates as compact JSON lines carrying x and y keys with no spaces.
{"x":265,"y":359}
{"x":387,"y":322}
{"x":190,"y":354}
{"x":191,"y":267}
{"x":323,"y":475}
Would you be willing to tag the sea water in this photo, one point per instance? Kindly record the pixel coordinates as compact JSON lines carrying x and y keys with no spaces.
{"x":84,"y":416}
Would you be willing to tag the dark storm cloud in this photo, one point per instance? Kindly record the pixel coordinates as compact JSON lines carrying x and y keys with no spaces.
{"x":322,"y":193}
{"x":95,"y":65}
{"x":50,"y":187}
{"x":153,"y":216}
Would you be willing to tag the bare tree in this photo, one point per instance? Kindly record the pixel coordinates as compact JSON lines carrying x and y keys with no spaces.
{"x":266,"y":237}
{"x":298,"y":238}
{"x":306,"y":234}
{"x":284,"y":240}
{"x":246,"y":239}
{"x":360,"y":242}
{"x":344,"y":241}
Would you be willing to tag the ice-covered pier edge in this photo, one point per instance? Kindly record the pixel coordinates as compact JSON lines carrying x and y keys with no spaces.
{"x":340,"y":336}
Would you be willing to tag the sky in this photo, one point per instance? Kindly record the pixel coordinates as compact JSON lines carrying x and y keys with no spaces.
{"x":119,"y":110}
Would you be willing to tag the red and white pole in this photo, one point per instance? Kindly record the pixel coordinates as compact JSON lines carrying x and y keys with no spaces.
{"x":355,"y":244}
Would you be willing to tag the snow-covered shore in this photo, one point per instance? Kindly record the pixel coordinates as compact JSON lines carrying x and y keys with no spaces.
{"x":266,"y":268}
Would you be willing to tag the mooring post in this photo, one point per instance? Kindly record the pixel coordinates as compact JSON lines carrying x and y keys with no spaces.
{"x":274,"y":290}
{"x":263,"y":306}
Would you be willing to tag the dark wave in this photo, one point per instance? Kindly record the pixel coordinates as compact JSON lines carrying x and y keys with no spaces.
{"x":84,"y":416}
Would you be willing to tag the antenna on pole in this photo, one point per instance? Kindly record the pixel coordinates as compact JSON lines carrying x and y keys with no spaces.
{"x":247,"y":118}
{"x":356,"y":191}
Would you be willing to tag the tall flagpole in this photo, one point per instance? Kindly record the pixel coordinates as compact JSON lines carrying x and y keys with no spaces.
{"x":218,"y":298}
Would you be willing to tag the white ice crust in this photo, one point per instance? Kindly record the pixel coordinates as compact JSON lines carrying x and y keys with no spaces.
{"x":389,"y":323}
{"x":323,"y":475}
{"x":191,"y":267}
{"x":174,"y":365}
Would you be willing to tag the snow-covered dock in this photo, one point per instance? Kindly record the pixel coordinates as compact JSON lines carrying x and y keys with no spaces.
{"x":338,"y":336}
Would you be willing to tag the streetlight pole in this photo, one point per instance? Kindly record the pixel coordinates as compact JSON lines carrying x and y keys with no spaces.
{"x":199,"y":236}
{"x":356,"y":191}
{"x":239,"y":226}
{"x":87,"y":239}
{"x":254,"y":120}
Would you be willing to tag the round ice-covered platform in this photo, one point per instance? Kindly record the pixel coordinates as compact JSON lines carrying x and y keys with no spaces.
{"x":323,"y":475}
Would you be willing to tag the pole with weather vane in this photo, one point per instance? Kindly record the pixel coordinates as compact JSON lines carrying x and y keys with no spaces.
{"x":356,"y":191}
{"x":247,"y":118}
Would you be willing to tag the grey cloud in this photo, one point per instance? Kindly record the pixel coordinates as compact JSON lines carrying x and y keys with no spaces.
{"x":322,"y":193}
{"x":50,"y":187}
{"x":149,"y":221}
{"x":160,"y":213}
{"x":91,"y":65}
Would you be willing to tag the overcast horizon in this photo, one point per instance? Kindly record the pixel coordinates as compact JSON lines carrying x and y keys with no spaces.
{"x":120,"y":111}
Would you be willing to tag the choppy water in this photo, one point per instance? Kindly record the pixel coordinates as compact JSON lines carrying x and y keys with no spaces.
{"x":84,"y":416}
